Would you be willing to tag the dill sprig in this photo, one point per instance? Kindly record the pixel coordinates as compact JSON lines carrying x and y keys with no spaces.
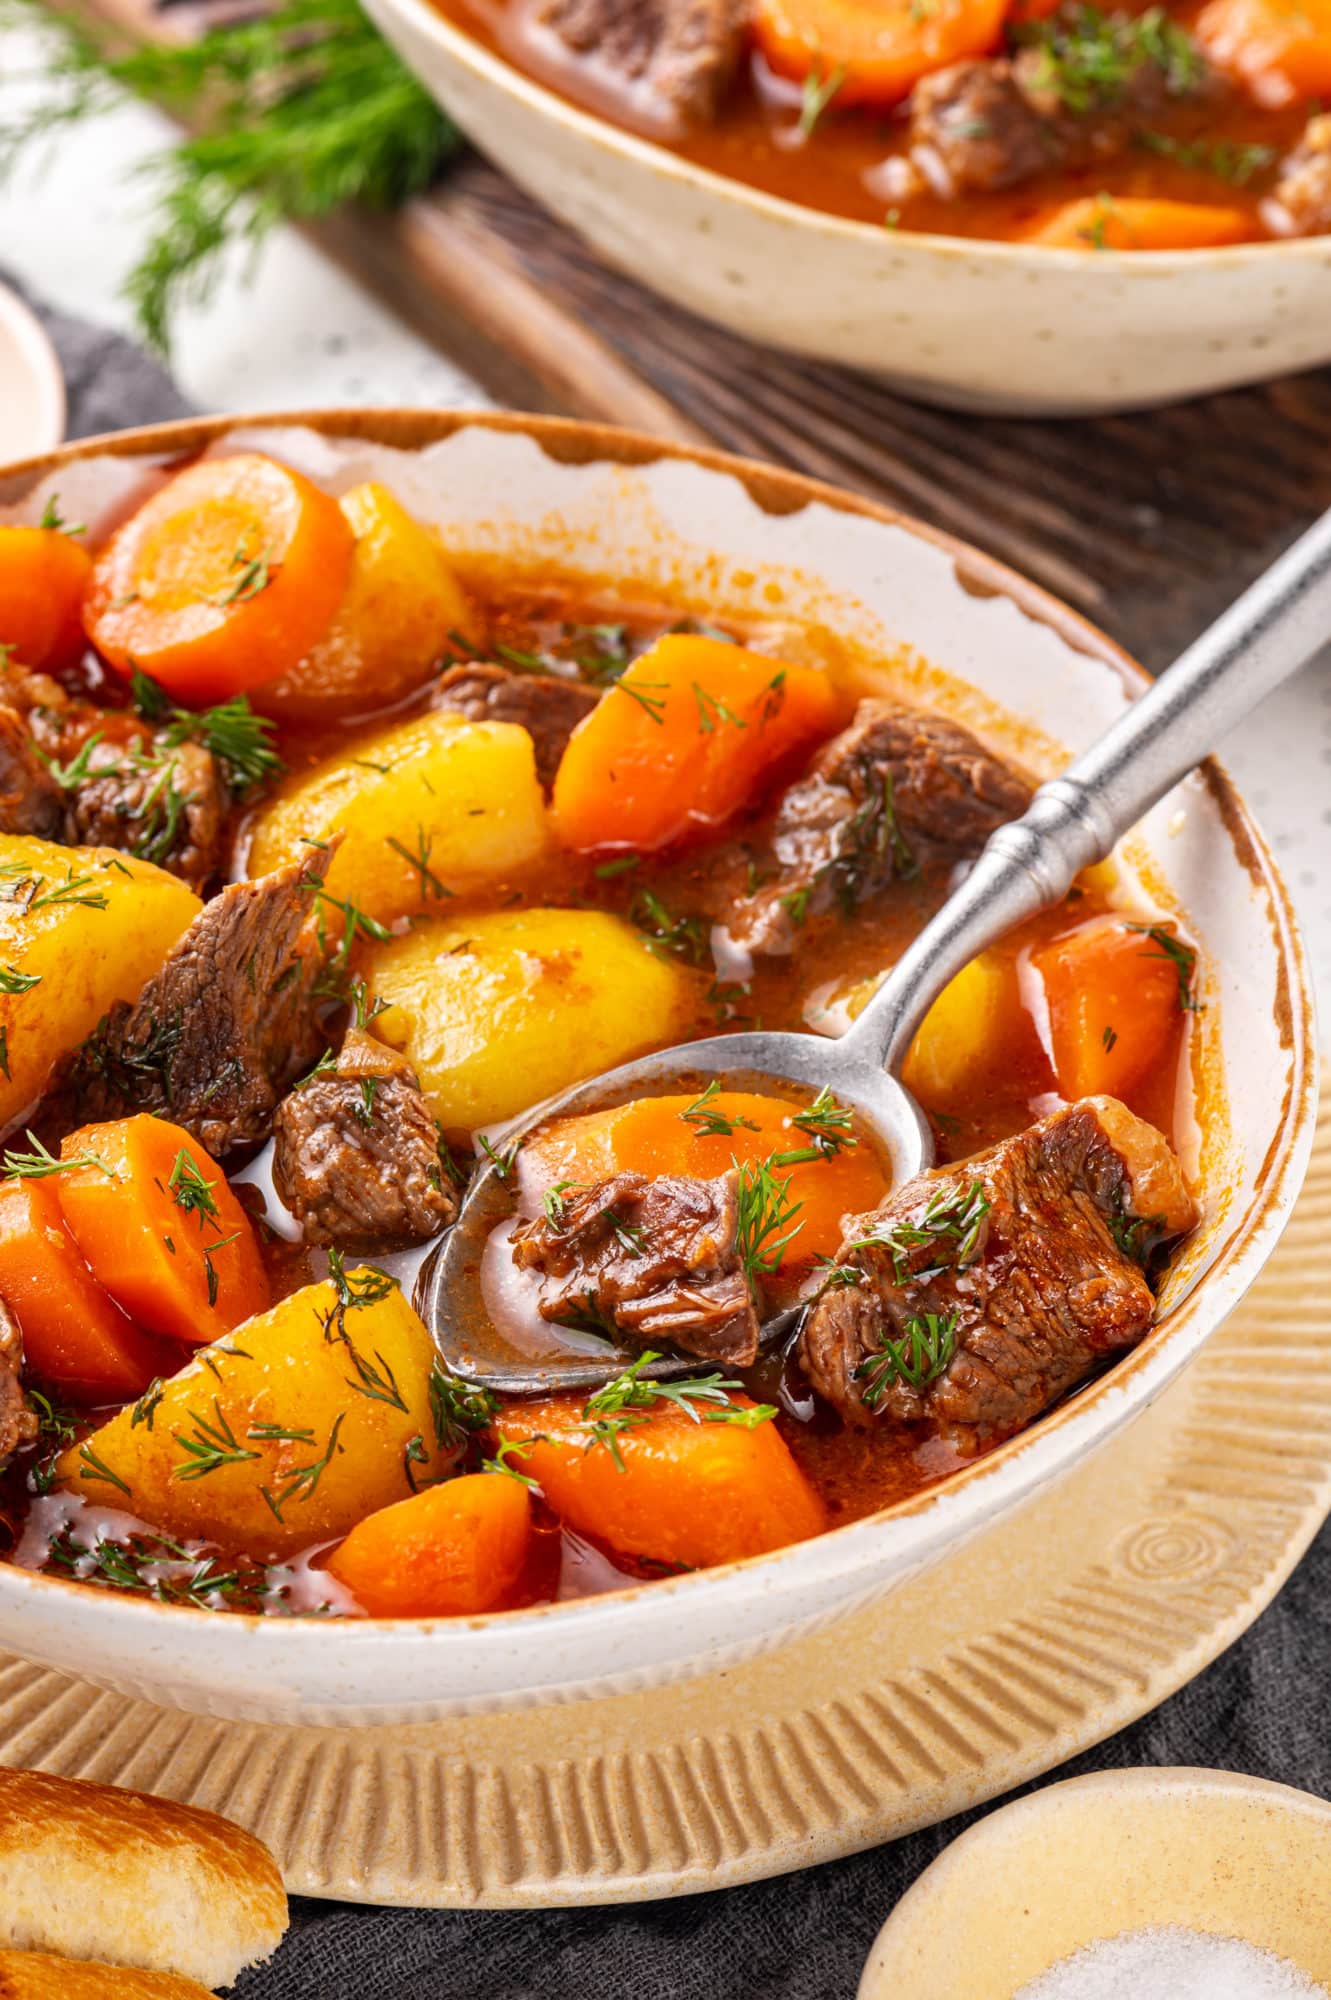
{"x":1086,"y":58}
{"x":240,"y":740}
{"x":918,"y":1357}
{"x":1181,"y":956}
{"x":764,"y":1209}
{"x":707,"y":1121}
{"x":294,"y":113}
{"x":623,"y":1404}
{"x":953,"y":1214}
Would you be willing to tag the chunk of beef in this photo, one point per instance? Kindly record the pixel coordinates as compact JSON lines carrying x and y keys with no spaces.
{"x":549,"y":709}
{"x":218,"y":1036}
{"x":123,"y":785}
{"x":167,"y":806}
{"x":978,"y":1294}
{"x":356,"y":1153}
{"x":677,"y":56}
{"x":995,"y":122}
{"x":30,"y":799}
{"x":657,"y":1260}
{"x":1300,"y":202}
{"x":973,"y":127}
{"x":896,"y":787}
{"x":18,"y":1424}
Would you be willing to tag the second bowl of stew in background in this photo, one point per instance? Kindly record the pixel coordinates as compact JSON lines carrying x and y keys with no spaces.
{"x":1044,"y":216}
{"x":575,"y":745}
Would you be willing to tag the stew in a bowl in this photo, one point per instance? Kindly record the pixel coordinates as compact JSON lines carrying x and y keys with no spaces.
{"x":1176,"y":126}
{"x":321,"y":858}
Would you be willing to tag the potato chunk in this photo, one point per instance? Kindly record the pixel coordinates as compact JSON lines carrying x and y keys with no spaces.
{"x":402,"y":601}
{"x":430,"y":809}
{"x":304,"y":1420}
{"x":80,"y":927}
{"x":497,"y":1011}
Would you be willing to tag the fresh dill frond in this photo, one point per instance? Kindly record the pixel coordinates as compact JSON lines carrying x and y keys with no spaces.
{"x":293,"y":114}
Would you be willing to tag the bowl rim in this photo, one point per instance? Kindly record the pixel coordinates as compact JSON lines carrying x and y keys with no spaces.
{"x":430,"y":22}
{"x":776,"y":490}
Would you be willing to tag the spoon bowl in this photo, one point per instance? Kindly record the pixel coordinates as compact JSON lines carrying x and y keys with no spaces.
{"x":451,"y":1298}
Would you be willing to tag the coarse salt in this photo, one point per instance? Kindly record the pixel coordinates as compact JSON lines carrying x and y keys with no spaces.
{"x":1167,"y":1962}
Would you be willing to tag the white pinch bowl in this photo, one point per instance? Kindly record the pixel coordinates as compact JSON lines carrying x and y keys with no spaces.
{"x":32,"y":388}
{"x":1014,"y":328}
{"x":947,"y":623}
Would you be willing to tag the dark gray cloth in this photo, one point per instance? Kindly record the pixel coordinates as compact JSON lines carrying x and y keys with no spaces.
{"x":1263,"y":1708}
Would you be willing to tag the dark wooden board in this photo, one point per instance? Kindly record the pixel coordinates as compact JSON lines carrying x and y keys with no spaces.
{"x":1148,"y":524}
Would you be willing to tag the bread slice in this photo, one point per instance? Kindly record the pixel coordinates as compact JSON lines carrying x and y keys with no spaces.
{"x":36,"y":1975}
{"x":89,"y":1871}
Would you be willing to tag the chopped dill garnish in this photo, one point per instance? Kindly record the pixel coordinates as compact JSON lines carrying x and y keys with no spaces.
{"x":621,"y":1405}
{"x":18,"y":982}
{"x":647,"y":695}
{"x":39,"y":1164}
{"x":764,"y":1212}
{"x":921,"y":1354}
{"x":459,"y":1408}
{"x":1181,"y":956}
{"x":190,"y":1189}
{"x":816,"y":96}
{"x":708,"y":1122}
{"x":683,"y":937}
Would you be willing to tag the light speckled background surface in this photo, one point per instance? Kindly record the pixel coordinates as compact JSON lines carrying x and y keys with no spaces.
{"x":303,"y":333}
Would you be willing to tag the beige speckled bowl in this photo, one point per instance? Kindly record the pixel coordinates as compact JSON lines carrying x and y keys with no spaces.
{"x":1095,"y":1857}
{"x":978,"y":325}
{"x":946,"y":624}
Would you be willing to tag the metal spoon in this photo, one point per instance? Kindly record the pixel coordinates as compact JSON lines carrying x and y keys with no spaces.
{"x":1072,"y":821}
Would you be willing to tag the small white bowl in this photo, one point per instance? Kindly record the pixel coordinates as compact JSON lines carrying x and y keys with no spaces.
{"x":1008,"y":327}
{"x":950,"y":626}
{"x":32,"y":388}
{"x":1105,"y":1856}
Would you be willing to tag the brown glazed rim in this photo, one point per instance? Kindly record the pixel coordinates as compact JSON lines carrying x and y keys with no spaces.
{"x":777,"y":491}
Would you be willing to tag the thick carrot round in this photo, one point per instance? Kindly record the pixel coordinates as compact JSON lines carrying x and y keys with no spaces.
{"x":873,"y":51}
{"x":160,"y":1228}
{"x":1126,"y":222}
{"x":43,"y":577}
{"x":224,"y":579}
{"x":455,"y":1548}
{"x":653,"y":1136}
{"x":686,"y":737}
{"x":1113,"y":998}
{"x":1279,"y":49}
{"x":74,"y":1335}
{"x":688,"y":1493}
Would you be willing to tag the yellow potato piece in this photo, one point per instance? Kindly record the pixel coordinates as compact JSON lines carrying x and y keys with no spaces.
{"x":964,"y":1021}
{"x":430,"y":809}
{"x":401,"y":603}
{"x":88,"y":927}
{"x":497,"y":1011}
{"x":200,"y":1455}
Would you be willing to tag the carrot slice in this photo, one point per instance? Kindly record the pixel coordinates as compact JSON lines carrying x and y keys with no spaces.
{"x":74,"y":1335}
{"x":652,"y":1136}
{"x":224,"y":579}
{"x":1278,"y":49}
{"x":683,"y":740}
{"x":44,"y":574}
{"x":1113,"y":997}
{"x":160,"y":1228}
{"x":875,"y":51}
{"x":688,"y":1493}
{"x":1105,"y":222}
{"x":454,"y":1548}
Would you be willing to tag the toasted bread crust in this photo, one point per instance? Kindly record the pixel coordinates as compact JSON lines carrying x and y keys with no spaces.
{"x":38,"y":1975}
{"x":92,"y":1872}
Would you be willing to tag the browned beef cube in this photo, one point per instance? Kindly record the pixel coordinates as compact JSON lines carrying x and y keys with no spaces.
{"x":1302,"y":193}
{"x":18,"y":1424}
{"x":978,"y":1294}
{"x":677,"y":56}
{"x":657,"y":1260}
{"x":31,"y":801}
{"x":356,"y":1153}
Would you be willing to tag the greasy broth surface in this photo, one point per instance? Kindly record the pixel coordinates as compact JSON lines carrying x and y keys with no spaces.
{"x":856,"y":1471}
{"x":839,"y":167}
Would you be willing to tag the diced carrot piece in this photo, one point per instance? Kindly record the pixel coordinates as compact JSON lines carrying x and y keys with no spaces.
{"x":876,"y":50}
{"x":160,"y":1228}
{"x":688,"y":1493}
{"x":652,"y":1136}
{"x":1278,"y":49}
{"x":1124,"y":222}
{"x":224,"y":579}
{"x":74,"y":1335}
{"x":1113,"y":996}
{"x":458,"y":1547}
{"x":685,"y":738}
{"x":44,"y":574}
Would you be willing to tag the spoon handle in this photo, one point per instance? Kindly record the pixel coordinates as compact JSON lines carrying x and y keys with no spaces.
{"x":1075,"y":819}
